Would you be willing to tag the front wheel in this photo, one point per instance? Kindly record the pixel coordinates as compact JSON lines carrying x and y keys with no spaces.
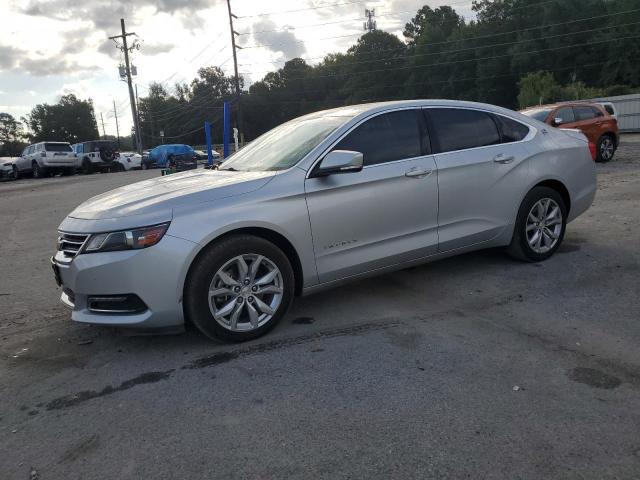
{"x":38,"y":171}
{"x":540,"y":225}
{"x":15,"y":174}
{"x":239,"y":288}
{"x":606,"y":149}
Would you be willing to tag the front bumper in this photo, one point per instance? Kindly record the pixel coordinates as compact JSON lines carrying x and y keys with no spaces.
{"x":154,"y":274}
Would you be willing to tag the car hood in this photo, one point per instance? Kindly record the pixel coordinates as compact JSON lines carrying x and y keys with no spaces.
{"x":157,"y":197}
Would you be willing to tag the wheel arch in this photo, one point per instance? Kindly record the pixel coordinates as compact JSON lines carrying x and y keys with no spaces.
{"x":268,"y":234}
{"x":559,"y":187}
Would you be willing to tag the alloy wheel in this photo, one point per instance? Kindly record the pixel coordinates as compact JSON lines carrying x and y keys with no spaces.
{"x":606,"y":148}
{"x":245,"y":292}
{"x":544,"y":225}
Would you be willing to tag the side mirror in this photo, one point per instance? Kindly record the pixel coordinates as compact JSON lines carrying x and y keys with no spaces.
{"x":339,"y":161}
{"x":557,"y":121}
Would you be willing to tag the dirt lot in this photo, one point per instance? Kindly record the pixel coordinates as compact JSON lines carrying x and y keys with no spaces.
{"x":474,"y":367}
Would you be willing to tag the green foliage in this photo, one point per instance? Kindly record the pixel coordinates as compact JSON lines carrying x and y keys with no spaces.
{"x":537,"y":89}
{"x":11,"y":136}
{"x":70,"y":120}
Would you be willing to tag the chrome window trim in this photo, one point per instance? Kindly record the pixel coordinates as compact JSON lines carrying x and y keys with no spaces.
{"x":530,"y":136}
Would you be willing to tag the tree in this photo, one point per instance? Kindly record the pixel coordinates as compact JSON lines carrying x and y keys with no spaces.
{"x":70,"y":120}
{"x":537,"y":89}
{"x":11,"y":136}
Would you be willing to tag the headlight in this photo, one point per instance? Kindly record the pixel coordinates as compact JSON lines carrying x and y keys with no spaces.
{"x":8,"y":164}
{"x":126,"y":239}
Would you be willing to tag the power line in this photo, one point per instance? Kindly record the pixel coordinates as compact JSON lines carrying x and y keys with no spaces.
{"x":478,"y":37}
{"x":301,"y":9}
{"x":447,"y":52}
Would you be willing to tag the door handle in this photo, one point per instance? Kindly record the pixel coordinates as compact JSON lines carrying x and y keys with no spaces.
{"x":502,"y":158}
{"x":417,"y":173}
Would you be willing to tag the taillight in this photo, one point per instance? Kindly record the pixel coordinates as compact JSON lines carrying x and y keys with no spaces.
{"x":593,"y":150}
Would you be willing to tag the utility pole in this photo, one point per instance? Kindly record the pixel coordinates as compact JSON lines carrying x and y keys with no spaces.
{"x":115,"y":114}
{"x":125,"y":49}
{"x":235,"y":68}
{"x":370,"y":24}
{"x":104,"y":134}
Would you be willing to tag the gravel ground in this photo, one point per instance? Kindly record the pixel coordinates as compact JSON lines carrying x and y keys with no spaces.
{"x":472,"y":367}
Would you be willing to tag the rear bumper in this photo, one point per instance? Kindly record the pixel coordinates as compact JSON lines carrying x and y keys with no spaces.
{"x":66,"y":163}
{"x":154,"y":274}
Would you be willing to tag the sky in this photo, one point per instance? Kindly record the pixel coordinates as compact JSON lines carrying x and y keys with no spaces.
{"x":50,"y":48}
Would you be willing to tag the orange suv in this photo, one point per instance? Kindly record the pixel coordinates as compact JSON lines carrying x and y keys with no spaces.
{"x":592,"y":119}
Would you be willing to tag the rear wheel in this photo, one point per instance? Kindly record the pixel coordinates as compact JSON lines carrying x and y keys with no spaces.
{"x":540,"y":225}
{"x":119,"y":167}
{"x":239,"y":288}
{"x":606,"y":148}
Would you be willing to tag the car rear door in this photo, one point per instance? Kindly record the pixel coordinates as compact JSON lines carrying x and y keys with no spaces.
{"x":385,"y":214}
{"x":586,"y":122}
{"x":481,"y":173}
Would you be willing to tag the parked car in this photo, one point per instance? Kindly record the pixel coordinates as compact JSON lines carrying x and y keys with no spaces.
{"x":96,"y":155}
{"x":202,"y":155}
{"x":182,"y":162}
{"x":591,"y":119}
{"x":46,"y":158}
{"x":8,"y":168}
{"x":160,"y":156}
{"x":128,"y":161}
{"x":320,"y":200}
{"x":610,"y":108}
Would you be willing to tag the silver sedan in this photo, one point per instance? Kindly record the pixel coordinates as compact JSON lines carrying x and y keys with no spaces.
{"x":325,"y":198}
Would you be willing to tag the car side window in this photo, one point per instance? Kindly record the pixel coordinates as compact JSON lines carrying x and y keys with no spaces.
{"x":609,"y":109}
{"x":597,"y":112}
{"x":566,"y":114}
{"x":584,"y":113}
{"x":461,"y":129}
{"x":387,"y":137}
{"x":511,"y":130}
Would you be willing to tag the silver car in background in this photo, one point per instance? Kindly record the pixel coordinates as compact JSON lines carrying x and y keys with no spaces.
{"x":322,"y":199}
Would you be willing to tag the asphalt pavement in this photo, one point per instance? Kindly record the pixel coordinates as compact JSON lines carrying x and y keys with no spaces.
{"x":473,"y":367}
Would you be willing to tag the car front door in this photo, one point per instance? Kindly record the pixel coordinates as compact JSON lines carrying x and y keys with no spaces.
{"x":22,"y":163}
{"x":385,"y":214}
{"x":481,"y":172}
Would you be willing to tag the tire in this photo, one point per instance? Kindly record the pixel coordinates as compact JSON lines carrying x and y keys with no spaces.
{"x":38,"y":171}
{"x":87,"y":167}
{"x":606,"y":149}
{"x":221,"y":256}
{"x":15,"y":174}
{"x":144,"y":166}
{"x":119,"y":167}
{"x":527,"y":226}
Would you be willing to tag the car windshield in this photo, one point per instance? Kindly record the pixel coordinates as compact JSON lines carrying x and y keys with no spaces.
{"x":538,"y":114}
{"x":57,"y":147}
{"x":285,"y":145}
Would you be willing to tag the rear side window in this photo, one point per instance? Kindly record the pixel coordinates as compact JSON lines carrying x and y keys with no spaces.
{"x":57,"y":147}
{"x":460,"y":129}
{"x":511,"y":130}
{"x":584,"y":113}
{"x":609,"y":109}
{"x":566,"y":114}
{"x":387,"y":137}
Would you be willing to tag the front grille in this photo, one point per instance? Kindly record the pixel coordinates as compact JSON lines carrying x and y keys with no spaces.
{"x":70,"y":243}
